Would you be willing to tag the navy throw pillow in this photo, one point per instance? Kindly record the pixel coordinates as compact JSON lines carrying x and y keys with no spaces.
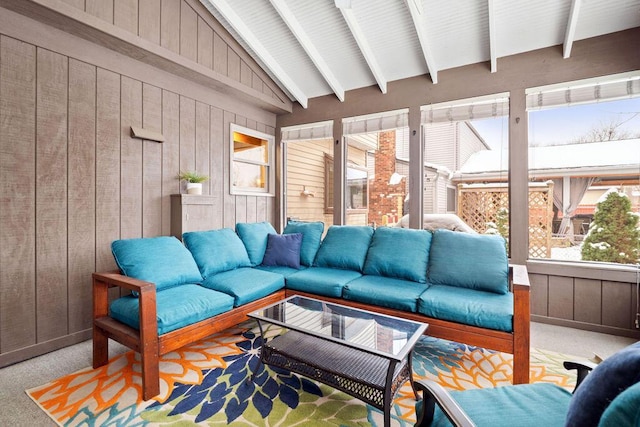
{"x":283,"y":250}
{"x":602,"y":386}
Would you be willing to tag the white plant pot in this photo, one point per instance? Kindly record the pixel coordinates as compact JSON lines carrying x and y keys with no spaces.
{"x":194,"y":188}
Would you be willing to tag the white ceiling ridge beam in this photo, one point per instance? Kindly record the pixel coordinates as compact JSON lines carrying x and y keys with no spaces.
{"x":363,"y":44}
{"x":493,"y":38}
{"x":301,"y":35}
{"x":418,"y":22}
{"x":258,"y":48}
{"x":571,"y":28}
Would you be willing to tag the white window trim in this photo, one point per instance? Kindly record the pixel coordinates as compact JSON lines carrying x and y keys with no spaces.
{"x":269,"y":189}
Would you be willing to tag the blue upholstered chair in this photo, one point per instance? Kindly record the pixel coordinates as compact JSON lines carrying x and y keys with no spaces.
{"x":609,"y":396}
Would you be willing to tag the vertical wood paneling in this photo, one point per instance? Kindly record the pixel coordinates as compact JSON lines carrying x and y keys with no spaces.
{"x":107,"y":167}
{"x":51,"y":194}
{"x":170,"y":25}
{"x":228,"y":206}
{"x":152,"y":163}
{"x":188,"y":32}
{"x":252,"y":209}
{"x":219,"y":55}
{"x":149,"y":26}
{"x":170,"y":155}
{"x":245,"y":74}
{"x":233,"y":65}
{"x":561,"y":297}
{"x":539,"y":294}
{"x":131,"y":159}
{"x":125,"y":15}
{"x":588,"y":302}
{"x":187,"y":134}
{"x":17,"y":194}
{"x":202,"y":144}
{"x":102,"y":9}
{"x":241,"y":201}
{"x":217,"y":162}
{"x":616,"y":301}
{"x":81,"y":192}
{"x":205,"y":44}
{"x":75,"y":3}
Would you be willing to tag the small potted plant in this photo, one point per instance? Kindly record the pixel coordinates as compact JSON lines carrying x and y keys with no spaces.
{"x":194,"y":181}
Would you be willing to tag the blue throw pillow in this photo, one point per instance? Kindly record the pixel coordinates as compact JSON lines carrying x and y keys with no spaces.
{"x":160,"y":260}
{"x":475,"y":261}
{"x":216,"y":251}
{"x":311,"y":238}
{"x":254,"y":236}
{"x":610,"y":378}
{"x":283,"y":250}
{"x":345,"y":247}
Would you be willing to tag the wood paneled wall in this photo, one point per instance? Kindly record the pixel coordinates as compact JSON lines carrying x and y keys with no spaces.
{"x":73,"y":180}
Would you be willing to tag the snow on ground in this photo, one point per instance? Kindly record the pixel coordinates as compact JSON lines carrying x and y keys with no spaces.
{"x":572,"y":253}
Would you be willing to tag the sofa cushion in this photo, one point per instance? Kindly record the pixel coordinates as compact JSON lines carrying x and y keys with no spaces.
{"x":321,"y":281}
{"x":279,"y":269}
{"x":614,"y":375}
{"x":254,"y":236}
{"x":467,"y":306}
{"x":245,"y":284}
{"x":216,"y":251}
{"x":527,"y":405}
{"x":175,"y":307}
{"x":475,"y":261}
{"x":399,"y":252}
{"x":385,"y":292}
{"x":283,"y":250}
{"x":624,"y":410}
{"x":344,"y":247}
{"x":311,"y":238}
{"x":160,"y":260}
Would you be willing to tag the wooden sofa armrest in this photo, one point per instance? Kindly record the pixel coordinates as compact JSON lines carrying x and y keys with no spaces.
{"x":519,"y":285}
{"x":432,"y":394}
{"x":583,"y":367}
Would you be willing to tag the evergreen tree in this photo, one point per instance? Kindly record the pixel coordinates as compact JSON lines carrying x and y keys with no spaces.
{"x":613,"y":235}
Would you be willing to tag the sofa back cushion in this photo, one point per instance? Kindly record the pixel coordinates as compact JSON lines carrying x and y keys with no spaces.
{"x":476,"y":261}
{"x":216,"y":251}
{"x":399,"y":252}
{"x":345,"y":247}
{"x":283,"y":250}
{"x":311,"y":238}
{"x":254,"y":236}
{"x":160,"y":260}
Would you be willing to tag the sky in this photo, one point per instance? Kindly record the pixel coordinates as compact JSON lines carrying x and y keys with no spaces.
{"x":563,"y":125}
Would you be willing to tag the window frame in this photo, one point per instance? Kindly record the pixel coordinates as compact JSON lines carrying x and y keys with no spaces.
{"x":328,"y":185}
{"x":269,"y":185}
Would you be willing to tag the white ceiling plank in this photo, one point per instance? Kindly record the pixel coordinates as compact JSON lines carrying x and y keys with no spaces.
{"x":493,"y":38}
{"x":363,"y":44}
{"x":416,"y":13}
{"x":301,"y":35}
{"x":260,"y":50}
{"x":571,"y":28}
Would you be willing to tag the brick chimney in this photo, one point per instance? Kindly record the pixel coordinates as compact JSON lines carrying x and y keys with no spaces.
{"x":385,"y":200}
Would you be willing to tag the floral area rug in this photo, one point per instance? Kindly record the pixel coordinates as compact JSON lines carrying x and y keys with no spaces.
{"x":220,"y":381}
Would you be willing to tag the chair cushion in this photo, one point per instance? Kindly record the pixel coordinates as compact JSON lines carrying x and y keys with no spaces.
{"x":475,"y":261}
{"x":524,"y":405}
{"x":254,"y":236}
{"x":399,"y":252}
{"x":216,"y":251}
{"x":321,"y":281}
{"x":624,"y":410}
{"x":345,"y":247}
{"x":611,"y":377}
{"x":245,"y":284}
{"x":468,"y":306}
{"x":279,"y":269}
{"x":385,"y":292}
{"x":311,"y":238}
{"x":160,"y":260}
{"x":283,"y":250}
{"x":175,"y":307}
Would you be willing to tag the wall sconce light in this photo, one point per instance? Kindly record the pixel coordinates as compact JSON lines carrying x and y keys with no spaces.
{"x":306,"y":193}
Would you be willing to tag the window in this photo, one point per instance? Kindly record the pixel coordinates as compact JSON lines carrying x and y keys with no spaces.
{"x":357,"y":191}
{"x":252,"y":171}
{"x":452,"y":199}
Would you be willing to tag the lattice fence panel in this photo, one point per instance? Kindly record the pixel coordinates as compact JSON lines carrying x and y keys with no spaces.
{"x":485,"y":206}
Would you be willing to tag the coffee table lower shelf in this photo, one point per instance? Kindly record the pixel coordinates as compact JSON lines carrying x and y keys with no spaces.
{"x":366,"y":376}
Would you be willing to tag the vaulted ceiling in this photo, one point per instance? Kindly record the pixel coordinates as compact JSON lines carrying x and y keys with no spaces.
{"x":317,"y":47}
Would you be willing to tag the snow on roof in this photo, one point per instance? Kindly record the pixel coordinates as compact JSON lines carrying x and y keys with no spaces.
{"x":610,"y":154}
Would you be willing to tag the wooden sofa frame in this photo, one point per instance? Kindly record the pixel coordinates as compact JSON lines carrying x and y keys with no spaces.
{"x":151,"y":346}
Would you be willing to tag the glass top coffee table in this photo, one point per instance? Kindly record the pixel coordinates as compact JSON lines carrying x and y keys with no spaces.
{"x":364,"y":354}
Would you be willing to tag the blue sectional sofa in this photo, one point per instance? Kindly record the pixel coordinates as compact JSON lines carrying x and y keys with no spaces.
{"x":459,"y":283}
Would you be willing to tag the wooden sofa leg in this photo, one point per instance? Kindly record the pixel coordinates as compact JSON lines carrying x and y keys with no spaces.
{"x":150,"y":371}
{"x":100,"y":348}
{"x":149,"y":347}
